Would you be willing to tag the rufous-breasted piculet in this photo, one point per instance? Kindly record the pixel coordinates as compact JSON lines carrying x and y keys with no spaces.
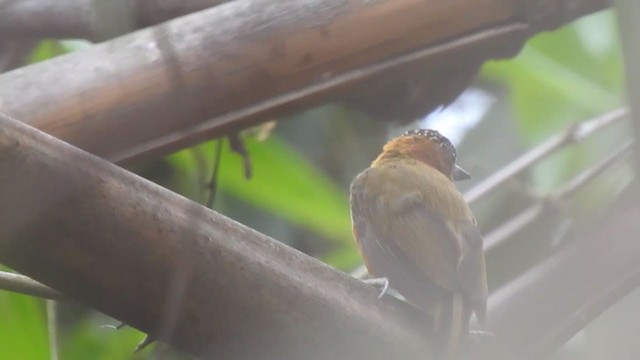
{"x":414,"y":228}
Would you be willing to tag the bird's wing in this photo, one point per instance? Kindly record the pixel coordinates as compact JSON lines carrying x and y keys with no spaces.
{"x":399,"y":229}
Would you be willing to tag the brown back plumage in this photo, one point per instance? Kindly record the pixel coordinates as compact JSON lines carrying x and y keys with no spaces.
{"x":413,"y":226}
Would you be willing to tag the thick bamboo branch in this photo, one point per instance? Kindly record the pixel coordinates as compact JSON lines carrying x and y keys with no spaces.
{"x":87,"y":19}
{"x":246,"y":61}
{"x":151,"y":12}
{"x":179,"y":271}
{"x":96,"y":20}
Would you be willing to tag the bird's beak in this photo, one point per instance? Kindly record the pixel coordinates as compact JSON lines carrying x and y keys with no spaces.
{"x":460,"y":174}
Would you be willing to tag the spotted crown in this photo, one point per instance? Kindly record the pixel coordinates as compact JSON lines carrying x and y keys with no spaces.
{"x":436,"y":137}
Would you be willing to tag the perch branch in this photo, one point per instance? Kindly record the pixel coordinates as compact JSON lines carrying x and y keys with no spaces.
{"x":178,"y":271}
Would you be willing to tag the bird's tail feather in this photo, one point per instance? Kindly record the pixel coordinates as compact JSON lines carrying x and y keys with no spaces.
{"x":450,"y":327}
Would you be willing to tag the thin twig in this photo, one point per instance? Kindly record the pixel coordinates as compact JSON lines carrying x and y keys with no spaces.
{"x":572,"y":135}
{"x":52,"y":327}
{"x":628,"y":12}
{"x":503,"y":232}
{"x":213,"y":183}
{"x":25,"y":285}
{"x":529,"y":215}
{"x":237,"y":146}
{"x":582,"y":179}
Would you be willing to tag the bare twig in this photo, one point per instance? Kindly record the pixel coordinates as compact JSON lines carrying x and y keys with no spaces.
{"x":25,"y":285}
{"x":52,"y":327}
{"x":572,"y":135}
{"x":628,"y":12}
{"x":212,"y":186}
{"x":503,"y":232}
{"x":528,"y":216}
{"x":236,"y":143}
{"x":585,"y":177}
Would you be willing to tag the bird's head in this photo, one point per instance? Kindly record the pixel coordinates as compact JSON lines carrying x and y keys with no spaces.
{"x":427,"y":146}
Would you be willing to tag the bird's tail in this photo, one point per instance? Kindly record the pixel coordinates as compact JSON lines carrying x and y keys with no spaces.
{"x":450,"y":327}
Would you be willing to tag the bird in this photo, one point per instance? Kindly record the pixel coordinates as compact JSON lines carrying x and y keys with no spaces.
{"x":415,"y":231}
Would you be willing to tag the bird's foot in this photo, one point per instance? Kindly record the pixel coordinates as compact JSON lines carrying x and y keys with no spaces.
{"x":148,"y":340}
{"x":382,"y":283}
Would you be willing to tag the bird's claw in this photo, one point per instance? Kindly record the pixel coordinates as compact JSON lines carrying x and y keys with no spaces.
{"x":148,"y":340}
{"x":382,"y":283}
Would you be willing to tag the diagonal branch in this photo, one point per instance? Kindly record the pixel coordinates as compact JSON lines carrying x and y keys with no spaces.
{"x":627,"y":16}
{"x":572,"y":135}
{"x":179,"y":271}
{"x":222,"y":69}
{"x":533,"y":212}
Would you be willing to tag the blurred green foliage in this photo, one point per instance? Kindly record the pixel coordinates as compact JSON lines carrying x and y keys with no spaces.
{"x":568,"y":75}
{"x":283,"y":183}
{"x":563,"y":75}
{"x":23,"y":329}
{"x":572,"y":74}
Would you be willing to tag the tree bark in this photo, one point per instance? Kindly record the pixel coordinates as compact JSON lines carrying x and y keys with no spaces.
{"x":179,"y":271}
{"x":247,"y":61}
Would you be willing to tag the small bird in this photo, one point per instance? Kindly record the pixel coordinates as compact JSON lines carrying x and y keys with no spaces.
{"x":415,"y":230}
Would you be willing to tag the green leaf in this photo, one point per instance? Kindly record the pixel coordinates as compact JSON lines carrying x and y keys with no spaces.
{"x":46,"y":49}
{"x":557,"y":78}
{"x":283,"y":183}
{"x":23,"y":328}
